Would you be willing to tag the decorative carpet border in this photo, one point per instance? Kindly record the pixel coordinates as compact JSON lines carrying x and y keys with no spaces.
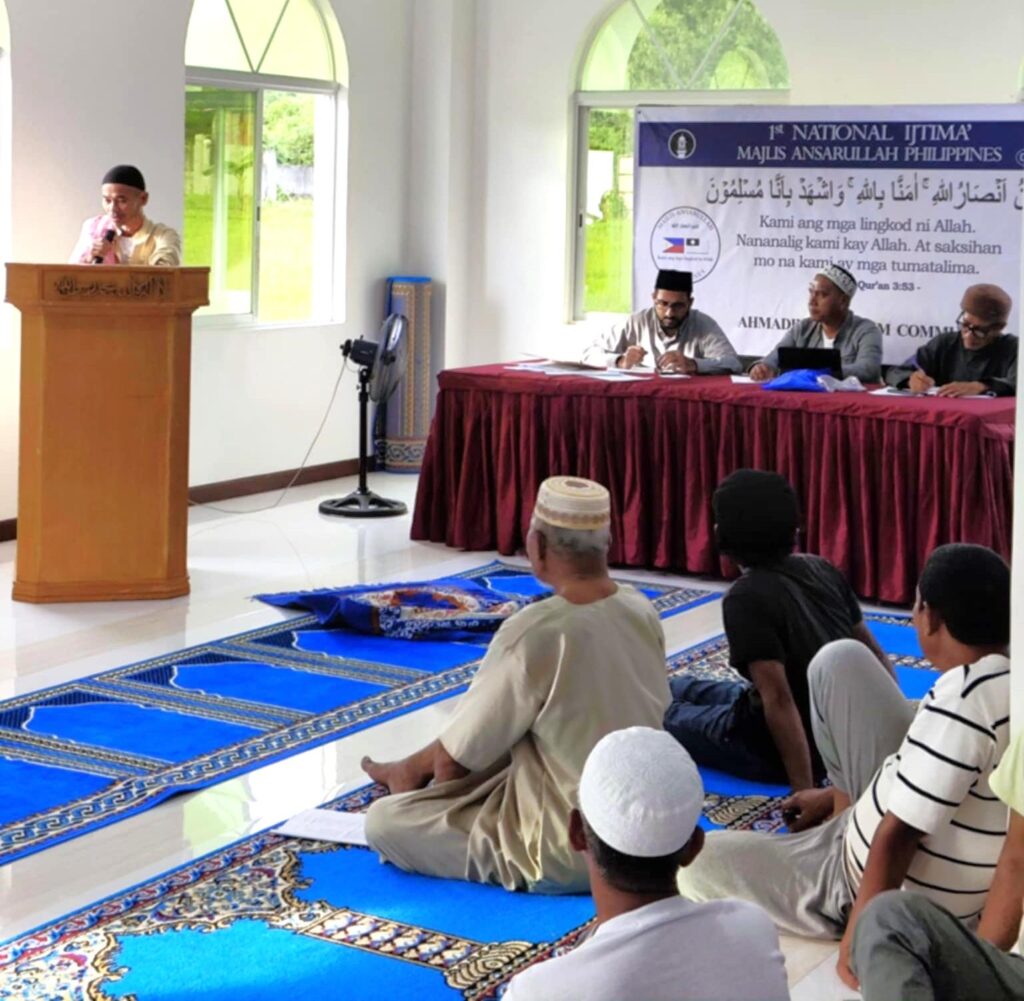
{"x":141,"y":783}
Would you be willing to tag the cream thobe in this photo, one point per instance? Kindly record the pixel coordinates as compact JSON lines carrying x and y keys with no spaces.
{"x":557,"y":677}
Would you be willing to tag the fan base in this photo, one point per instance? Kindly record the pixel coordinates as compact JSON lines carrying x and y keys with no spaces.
{"x":362,"y":504}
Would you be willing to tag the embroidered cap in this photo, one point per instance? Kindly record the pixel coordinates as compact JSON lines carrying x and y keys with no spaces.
{"x":572,"y":502}
{"x":641,"y":793}
{"x":841,"y":278}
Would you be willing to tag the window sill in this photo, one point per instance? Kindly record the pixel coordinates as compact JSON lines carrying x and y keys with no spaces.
{"x":248,"y":323}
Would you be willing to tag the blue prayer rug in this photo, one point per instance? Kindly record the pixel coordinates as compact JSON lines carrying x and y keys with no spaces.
{"x":85,"y":754}
{"x":335,"y":921}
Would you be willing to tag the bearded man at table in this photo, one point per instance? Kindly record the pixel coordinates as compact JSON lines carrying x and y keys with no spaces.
{"x":670,"y":335}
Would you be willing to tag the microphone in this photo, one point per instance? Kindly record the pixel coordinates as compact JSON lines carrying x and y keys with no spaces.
{"x":108,"y":237}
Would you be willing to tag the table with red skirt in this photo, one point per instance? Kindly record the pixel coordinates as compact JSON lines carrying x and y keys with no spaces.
{"x":882,"y":480}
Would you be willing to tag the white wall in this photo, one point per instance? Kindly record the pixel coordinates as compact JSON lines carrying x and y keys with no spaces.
{"x":257,"y":396}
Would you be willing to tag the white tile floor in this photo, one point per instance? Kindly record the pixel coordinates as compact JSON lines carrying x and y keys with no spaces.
{"x":232,"y":556}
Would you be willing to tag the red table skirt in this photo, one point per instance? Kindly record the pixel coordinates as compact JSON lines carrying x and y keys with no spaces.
{"x":882,"y":481}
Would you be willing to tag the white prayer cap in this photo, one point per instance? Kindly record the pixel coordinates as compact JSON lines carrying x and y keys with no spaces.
{"x":572,"y":502}
{"x":841,"y":278}
{"x":641,"y":793}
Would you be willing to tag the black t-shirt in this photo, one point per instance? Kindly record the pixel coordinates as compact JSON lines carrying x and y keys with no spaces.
{"x":787,"y":612}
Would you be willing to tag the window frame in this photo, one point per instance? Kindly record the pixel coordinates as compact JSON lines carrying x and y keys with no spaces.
{"x":585,"y":101}
{"x":259,"y":83}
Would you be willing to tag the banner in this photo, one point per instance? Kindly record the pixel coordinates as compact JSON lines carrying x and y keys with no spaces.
{"x":917,"y":202}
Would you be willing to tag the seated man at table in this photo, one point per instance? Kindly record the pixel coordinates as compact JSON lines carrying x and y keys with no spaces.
{"x":122,"y":234}
{"x":831,"y":324}
{"x":976,"y":359}
{"x":558,"y":676}
{"x":670,"y":334}
{"x":640,"y":799}
{"x":923,"y":813}
{"x":778,"y":615}
{"x":908,"y":947}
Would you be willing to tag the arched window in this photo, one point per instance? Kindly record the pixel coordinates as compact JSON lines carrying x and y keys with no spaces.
{"x":653,"y":52}
{"x":264,"y":123}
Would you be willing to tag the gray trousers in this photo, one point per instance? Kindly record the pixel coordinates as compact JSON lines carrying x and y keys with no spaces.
{"x":859,"y":717}
{"x":906,"y":948}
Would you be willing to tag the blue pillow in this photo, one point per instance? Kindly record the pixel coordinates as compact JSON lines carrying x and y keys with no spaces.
{"x":799,"y":380}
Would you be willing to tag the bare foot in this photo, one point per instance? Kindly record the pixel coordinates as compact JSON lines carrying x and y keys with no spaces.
{"x":398,"y":776}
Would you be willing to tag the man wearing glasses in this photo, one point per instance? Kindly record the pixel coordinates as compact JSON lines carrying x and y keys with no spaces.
{"x":974,"y":360}
{"x":669,"y":335}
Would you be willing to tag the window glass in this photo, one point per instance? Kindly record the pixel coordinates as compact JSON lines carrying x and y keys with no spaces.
{"x":300,"y":47}
{"x":219,"y":189}
{"x":609,"y":211}
{"x":212,"y":39}
{"x":652,"y":45}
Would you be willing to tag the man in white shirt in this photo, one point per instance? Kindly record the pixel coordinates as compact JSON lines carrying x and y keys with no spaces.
{"x":640,"y":798}
{"x":670,"y":335}
{"x":923,"y":814}
{"x":122,"y":234}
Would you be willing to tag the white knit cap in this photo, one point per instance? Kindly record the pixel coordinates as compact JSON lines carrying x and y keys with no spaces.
{"x":641,"y":793}
{"x":572,"y":502}
{"x":841,"y":278}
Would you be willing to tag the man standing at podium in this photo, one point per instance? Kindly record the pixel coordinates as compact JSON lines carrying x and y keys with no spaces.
{"x":123,"y":234}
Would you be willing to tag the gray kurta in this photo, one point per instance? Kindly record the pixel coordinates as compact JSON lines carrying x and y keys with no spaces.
{"x":699,"y":337}
{"x":557,"y":677}
{"x":859,"y":342}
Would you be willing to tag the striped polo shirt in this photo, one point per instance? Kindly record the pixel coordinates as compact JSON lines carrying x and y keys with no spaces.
{"x":938,"y":782}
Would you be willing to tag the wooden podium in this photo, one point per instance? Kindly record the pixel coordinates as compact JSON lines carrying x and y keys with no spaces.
{"x":103,"y":463}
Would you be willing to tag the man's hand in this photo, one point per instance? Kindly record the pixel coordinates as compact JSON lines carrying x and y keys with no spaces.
{"x":920,"y":383}
{"x":100,"y":248}
{"x":846,"y":975}
{"x":634,"y":356}
{"x":676,"y":361}
{"x":963,"y":389}
{"x":762,"y":372}
{"x":807,"y":808}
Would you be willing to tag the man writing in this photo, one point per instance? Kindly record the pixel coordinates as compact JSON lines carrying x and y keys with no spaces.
{"x":123,"y":234}
{"x":558,"y":676}
{"x":830,"y":323}
{"x":975,"y":359}
{"x":670,"y":334}
{"x":640,"y":799}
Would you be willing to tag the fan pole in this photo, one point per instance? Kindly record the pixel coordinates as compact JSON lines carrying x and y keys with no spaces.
{"x":363,"y":502}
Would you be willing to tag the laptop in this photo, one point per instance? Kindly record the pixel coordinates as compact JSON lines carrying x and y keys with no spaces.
{"x":827,"y":359}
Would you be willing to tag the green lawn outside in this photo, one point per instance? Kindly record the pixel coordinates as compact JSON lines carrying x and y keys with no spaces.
{"x":609,"y":267}
{"x":286,"y":237}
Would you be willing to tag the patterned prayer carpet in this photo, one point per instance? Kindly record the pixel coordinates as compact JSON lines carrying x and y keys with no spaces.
{"x":85,"y":754}
{"x":271,"y":917}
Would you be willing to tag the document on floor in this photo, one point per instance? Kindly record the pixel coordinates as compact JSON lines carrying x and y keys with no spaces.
{"x":326,"y":825}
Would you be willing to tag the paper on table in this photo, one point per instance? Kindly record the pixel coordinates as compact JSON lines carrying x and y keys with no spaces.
{"x":892,"y":391}
{"x":742,"y":380}
{"x":326,"y":825}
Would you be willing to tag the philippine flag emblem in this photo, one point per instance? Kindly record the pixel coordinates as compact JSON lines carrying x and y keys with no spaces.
{"x":676,"y":244}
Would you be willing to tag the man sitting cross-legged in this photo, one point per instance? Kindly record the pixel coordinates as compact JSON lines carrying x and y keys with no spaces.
{"x":558,"y":676}
{"x":778,"y":615}
{"x":640,"y":799}
{"x":923,"y":815}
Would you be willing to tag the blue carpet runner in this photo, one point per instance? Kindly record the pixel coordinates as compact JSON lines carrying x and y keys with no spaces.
{"x":271,"y":917}
{"x":85,"y":754}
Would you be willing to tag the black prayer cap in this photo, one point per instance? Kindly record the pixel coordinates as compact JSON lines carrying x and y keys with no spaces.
{"x":675,"y":281}
{"x":125,"y":173}
{"x":756,"y":516}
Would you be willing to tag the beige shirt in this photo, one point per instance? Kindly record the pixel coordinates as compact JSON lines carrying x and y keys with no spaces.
{"x":153,"y":243}
{"x":557,"y":677}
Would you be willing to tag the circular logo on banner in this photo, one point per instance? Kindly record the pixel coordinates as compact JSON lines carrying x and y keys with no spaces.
{"x":686,"y":239}
{"x":682,"y":143}
{"x":1020,"y":158}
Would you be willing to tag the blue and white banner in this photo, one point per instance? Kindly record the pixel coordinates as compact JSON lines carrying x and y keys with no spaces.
{"x":918,"y":202}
